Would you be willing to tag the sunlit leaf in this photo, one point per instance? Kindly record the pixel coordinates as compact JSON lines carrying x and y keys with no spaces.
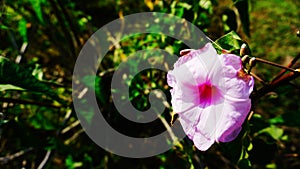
{"x":82,"y":21}
{"x":230,"y":42}
{"x":3,"y":27}
{"x":71,"y":164}
{"x":38,"y":72}
{"x":205,"y":4}
{"x":4,"y":87}
{"x":276,"y":120}
{"x":271,"y":166}
{"x":250,"y":147}
{"x":275,"y":132}
{"x":185,"y":5}
{"x":36,"y":5}
{"x":23,"y":29}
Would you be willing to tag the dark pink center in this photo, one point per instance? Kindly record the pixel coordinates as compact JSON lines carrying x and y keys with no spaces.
{"x":208,"y":94}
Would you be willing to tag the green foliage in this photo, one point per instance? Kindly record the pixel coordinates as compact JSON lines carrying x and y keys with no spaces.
{"x":37,"y":7}
{"x":4,"y":87}
{"x":230,"y":42}
{"x":13,"y":74}
{"x":23,"y":29}
{"x":71,"y":164}
{"x":275,"y":132}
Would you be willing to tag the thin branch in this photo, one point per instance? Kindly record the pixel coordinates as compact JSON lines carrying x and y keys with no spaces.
{"x":250,"y":115}
{"x":163,"y":120}
{"x":64,"y":122}
{"x":6,"y":159}
{"x":21,"y":52}
{"x":74,"y":136}
{"x":270,"y":87}
{"x":274,"y":64}
{"x":283,"y":71}
{"x":280,"y":79}
{"x":171,"y":133}
{"x":258,"y":78}
{"x":286,"y":78}
{"x":46,"y":158}
{"x":110,"y":70}
{"x":70,"y":127}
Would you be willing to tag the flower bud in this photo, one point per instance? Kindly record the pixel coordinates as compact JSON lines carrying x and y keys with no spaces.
{"x":245,"y":59}
{"x":252,"y":62}
{"x":244,"y":50}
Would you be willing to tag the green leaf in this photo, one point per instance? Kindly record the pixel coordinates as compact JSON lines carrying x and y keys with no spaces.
{"x":23,"y":29}
{"x":36,"y":5}
{"x":71,"y":164}
{"x":13,"y":74}
{"x":38,"y":72}
{"x":185,"y":5}
{"x":276,"y":120}
{"x":230,"y":42}
{"x":4,"y":27}
{"x":271,"y":166}
{"x":205,"y":4}
{"x":243,"y":8}
{"x":275,"y":132}
{"x":4,"y":87}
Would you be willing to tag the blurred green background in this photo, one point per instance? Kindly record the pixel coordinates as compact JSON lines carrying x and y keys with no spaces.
{"x":42,"y":39}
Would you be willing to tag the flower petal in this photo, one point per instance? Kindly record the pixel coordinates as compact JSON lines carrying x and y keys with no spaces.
{"x":206,"y":126}
{"x":232,"y":118}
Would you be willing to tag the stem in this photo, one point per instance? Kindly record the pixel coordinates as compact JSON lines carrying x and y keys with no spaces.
{"x":6,"y":159}
{"x":258,"y":78}
{"x":286,"y":78}
{"x":46,"y":158}
{"x":270,"y":87}
{"x":282,"y":72}
{"x":274,"y":64}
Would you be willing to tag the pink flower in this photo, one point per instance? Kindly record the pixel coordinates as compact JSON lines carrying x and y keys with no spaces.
{"x":210,"y":93}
